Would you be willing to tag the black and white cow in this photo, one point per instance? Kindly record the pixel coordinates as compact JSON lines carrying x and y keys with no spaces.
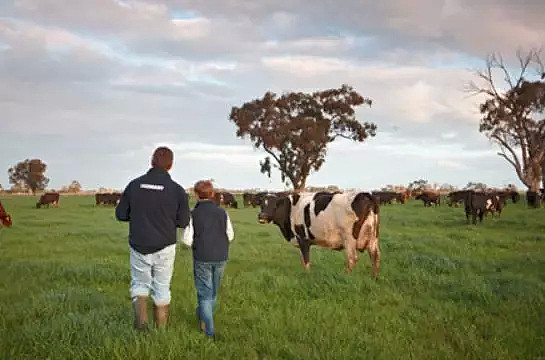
{"x":337,"y":221}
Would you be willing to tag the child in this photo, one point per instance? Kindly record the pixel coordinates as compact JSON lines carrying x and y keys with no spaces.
{"x":209,"y":233}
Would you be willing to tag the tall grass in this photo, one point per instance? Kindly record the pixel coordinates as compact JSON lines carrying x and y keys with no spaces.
{"x":446,"y":290}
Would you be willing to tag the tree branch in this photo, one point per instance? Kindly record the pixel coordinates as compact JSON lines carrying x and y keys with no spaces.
{"x":504,"y":145}
{"x":517,"y":168}
{"x":340,"y":135}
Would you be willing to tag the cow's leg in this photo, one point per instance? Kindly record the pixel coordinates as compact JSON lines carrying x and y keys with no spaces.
{"x":351,"y":255}
{"x":374,"y":255}
{"x":304,"y":246}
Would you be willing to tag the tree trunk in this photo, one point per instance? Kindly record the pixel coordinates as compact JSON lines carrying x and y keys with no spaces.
{"x":532,"y":195}
{"x":543,"y":175}
{"x":299,"y":186}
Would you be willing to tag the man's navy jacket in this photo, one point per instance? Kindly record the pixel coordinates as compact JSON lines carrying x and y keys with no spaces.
{"x":155,"y":206}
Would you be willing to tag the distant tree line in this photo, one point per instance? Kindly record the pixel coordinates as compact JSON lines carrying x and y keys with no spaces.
{"x":29,"y":175}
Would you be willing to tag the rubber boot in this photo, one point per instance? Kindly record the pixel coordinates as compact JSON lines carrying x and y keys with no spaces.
{"x":160,"y":315}
{"x":140,"y":305}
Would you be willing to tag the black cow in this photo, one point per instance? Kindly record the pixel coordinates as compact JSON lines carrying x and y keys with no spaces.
{"x":456,"y":197}
{"x":48,"y":198}
{"x":224,"y":198}
{"x":515,"y":196}
{"x":107,"y":198}
{"x":512,"y":195}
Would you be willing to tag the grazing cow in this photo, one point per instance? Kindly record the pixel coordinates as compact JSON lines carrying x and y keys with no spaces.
{"x":456,"y":197}
{"x":107,"y":198}
{"x":248,"y":199}
{"x":495,"y":204}
{"x":430,"y":198}
{"x":224,"y":198}
{"x":338,"y":221}
{"x":386,"y":197}
{"x":477,"y":204}
{"x":515,"y":196}
{"x":49,"y":198}
{"x":5,"y":219}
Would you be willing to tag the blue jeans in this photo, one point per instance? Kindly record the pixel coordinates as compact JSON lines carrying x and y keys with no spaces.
{"x":207,"y":281}
{"x":153,"y":272}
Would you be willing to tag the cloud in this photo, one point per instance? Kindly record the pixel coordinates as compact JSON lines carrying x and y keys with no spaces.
{"x":91,"y":86}
{"x":450,"y":164}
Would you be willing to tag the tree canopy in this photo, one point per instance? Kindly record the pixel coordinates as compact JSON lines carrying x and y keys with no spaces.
{"x":29,"y":174}
{"x":513,"y":113}
{"x":294,"y":129}
{"x":419,"y":184}
{"x":74,"y":187}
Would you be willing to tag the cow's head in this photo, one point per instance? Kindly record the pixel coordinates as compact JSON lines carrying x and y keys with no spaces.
{"x":268,"y":208}
{"x":277,"y":209}
{"x":6,"y":221}
{"x":274,"y":209}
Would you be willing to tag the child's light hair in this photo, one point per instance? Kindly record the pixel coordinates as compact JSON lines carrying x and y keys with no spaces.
{"x":204,"y":189}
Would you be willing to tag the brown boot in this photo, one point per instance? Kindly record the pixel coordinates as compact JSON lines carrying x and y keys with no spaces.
{"x":160,"y":315}
{"x":140,"y":305}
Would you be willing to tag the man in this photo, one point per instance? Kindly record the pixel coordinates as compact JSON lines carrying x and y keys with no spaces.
{"x":154,"y":205}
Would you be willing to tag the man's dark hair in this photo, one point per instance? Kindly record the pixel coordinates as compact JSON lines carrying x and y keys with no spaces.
{"x":162,"y":158}
{"x":204,"y":189}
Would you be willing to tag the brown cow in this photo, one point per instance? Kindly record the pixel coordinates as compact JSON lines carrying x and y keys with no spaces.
{"x":5,"y":219}
{"x":429,"y":197}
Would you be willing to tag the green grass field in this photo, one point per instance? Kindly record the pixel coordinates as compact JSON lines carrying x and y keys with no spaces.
{"x":446,"y":290}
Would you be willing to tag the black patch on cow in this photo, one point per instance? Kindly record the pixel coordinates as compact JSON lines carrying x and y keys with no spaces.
{"x":306,"y":212}
{"x":321,"y":201}
{"x":296,"y":198}
{"x":304,"y":246}
{"x":282,"y":217}
{"x":362,"y":205}
{"x":300,"y":231}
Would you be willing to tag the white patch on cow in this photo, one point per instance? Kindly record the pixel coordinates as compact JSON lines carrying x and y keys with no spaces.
{"x":266,"y":202}
{"x":488,"y":204}
{"x":152,"y":187}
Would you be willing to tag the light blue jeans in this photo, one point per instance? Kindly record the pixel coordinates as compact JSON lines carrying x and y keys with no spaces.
{"x":153,"y":272}
{"x":207,"y":281}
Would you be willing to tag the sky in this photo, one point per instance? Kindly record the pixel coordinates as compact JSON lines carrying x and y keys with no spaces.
{"x":92,"y":87}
